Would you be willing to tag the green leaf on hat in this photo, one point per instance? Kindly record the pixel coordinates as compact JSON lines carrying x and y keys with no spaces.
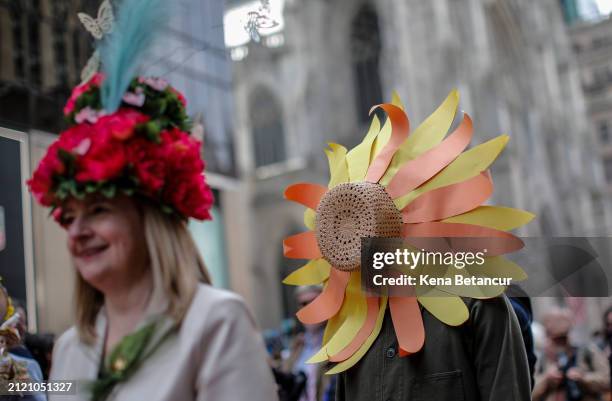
{"x":109,"y":190}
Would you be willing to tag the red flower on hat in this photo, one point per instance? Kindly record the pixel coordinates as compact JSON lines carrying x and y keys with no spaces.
{"x":120,"y":125}
{"x":187,"y":191}
{"x":42,"y":181}
{"x":148,"y":164}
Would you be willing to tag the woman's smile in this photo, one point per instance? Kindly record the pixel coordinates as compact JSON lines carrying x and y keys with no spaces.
{"x":91,"y":251}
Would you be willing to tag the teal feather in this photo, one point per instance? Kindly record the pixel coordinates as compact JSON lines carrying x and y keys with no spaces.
{"x":138,"y":24}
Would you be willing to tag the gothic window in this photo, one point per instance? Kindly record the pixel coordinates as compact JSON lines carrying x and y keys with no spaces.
{"x":604,"y":132}
{"x":365,"y":55}
{"x":607,"y":162}
{"x":267,"y":128}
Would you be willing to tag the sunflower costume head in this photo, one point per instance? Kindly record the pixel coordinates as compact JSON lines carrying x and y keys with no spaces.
{"x":397,"y":184}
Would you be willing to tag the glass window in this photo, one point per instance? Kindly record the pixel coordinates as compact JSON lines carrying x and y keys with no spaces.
{"x":608,"y":168}
{"x":604,"y":132}
{"x":267,"y":125}
{"x":365,"y":53}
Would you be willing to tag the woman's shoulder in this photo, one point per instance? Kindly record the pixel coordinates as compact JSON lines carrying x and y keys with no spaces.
{"x":66,"y":340}
{"x":72,"y":359}
{"x":206,"y":293}
{"x":214,"y":307}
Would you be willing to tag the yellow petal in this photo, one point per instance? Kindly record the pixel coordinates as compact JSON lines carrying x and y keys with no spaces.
{"x":425,"y":136}
{"x":396,"y":101}
{"x":355,"y":319}
{"x":314,"y":272}
{"x":334,"y":323}
{"x":338,"y":169}
{"x":448,"y":309}
{"x":344,"y":365}
{"x":310,"y":217}
{"x":470,"y":291}
{"x":358,"y":159}
{"x":499,"y":266}
{"x":465,"y":166}
{"x":319,"y":356}
{"x":497,"y":217}
{"x":355,"y":309}
{"x":385,"y":133}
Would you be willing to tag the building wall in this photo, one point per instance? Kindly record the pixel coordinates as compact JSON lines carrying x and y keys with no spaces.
{"x":592,"y":44}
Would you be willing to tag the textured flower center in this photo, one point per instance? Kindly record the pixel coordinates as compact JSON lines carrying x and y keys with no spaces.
{"x":349,"y":212}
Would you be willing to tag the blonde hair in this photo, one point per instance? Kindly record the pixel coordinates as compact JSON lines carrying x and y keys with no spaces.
{"x":175,"y":262}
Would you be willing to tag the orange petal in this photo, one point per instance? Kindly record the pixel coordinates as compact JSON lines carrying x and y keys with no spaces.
{"x":467,"y":237}
{"x":306,"y":194}
{"x":328,"y":303}
{"x":408,"y":323}
{"x":400,"y":126}
{"x":362,"y":334}
{"x":301,"y":246}
{"x":416,"y":171}
{"x":450,"y":200}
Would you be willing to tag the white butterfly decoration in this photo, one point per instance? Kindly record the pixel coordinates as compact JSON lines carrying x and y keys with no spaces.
{"x":102,"y":25}
{"x":98,"y":27}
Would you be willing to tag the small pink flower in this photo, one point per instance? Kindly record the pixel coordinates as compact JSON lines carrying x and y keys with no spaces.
{"x":82,"y":148}
{"x":158,"y":84}
{"x":88,"y":114}
{"x":135,"y":98}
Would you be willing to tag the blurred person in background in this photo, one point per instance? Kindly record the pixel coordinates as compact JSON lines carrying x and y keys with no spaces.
{"x":22,"y":326}
{"x":38,"y":346}
{"x":521,"y":304}
{"x":14,"y":367}
{"x":566,"y":372}
{"x":319,"y":387}
{"x":41,"y":346}
{"x":606,"y":341}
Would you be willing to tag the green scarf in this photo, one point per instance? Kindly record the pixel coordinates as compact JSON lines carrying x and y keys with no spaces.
{"x":128,"y":356}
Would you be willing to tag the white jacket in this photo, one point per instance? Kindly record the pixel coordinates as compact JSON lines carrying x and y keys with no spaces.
{"x":216,"y":355}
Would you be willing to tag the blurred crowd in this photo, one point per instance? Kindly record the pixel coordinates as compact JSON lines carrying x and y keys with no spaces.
{"x":561,"y":370}
{"x":23,"y":355}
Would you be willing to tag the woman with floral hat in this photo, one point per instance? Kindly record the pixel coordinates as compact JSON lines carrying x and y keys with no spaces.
{"x":123,"y":180}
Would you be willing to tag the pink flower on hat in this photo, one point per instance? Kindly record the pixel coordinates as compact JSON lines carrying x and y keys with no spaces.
{"x":159,"y":84}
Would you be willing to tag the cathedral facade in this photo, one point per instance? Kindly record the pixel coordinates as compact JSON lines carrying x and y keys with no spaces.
{"x":314,"y":81}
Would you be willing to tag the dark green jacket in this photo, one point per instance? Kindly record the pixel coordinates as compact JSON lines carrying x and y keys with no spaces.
{"x":482,"y":360}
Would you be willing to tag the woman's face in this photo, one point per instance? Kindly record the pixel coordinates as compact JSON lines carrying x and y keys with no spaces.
{"x":105,"y":239}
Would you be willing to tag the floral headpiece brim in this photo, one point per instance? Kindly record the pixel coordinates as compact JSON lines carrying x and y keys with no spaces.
{"x":397,"y":185}
{"x":142,"y":148}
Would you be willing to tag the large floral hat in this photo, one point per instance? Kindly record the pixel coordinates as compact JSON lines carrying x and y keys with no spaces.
{"x":397,"y":184}
{"x":126,"y":134}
